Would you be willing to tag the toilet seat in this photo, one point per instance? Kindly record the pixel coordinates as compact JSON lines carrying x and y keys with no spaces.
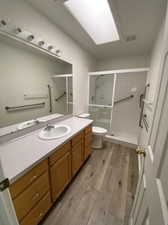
{"x":99,"y":131}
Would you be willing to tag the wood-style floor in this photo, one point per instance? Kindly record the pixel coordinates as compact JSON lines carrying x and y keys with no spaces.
{"x":102,"y":193}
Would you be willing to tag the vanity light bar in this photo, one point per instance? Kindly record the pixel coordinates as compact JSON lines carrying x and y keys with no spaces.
{"x":3,"y":22}
{"x":26,"y":36}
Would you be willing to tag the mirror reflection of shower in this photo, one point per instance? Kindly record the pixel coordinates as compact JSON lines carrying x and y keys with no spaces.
{"x":63,"y":94}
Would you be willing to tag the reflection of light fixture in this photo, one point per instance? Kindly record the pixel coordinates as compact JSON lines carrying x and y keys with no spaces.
{"x":58,"y":52}
{"x":96,"y":17}
{"x":41,"y":43}
{"x":3,"y":22}
{"x":17,"y":30}
{"x":50,"y":47}
{"x":30,"y":37}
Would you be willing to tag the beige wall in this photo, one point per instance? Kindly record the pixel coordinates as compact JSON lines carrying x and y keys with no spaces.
{"x":19,"y":12}
{"x":126,"y":62}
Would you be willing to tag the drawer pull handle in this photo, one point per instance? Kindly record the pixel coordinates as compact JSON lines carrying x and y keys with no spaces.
{"x":33,"y":178}
{"x":36,"y":196}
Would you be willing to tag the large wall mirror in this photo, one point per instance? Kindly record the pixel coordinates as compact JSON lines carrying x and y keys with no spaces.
{"x":33,"y":84}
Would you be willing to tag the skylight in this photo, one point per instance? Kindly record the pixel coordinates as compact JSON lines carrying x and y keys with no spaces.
{"x":96,"y":18}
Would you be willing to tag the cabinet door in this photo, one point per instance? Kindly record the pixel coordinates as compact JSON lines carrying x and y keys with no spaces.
{"x":88,"y":151}
{"x":87,"y":145}
{"x":77,"y":157}
{"x":60,"y":175}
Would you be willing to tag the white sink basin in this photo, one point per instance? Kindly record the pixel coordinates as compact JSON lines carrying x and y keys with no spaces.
{"x":54,"y":132}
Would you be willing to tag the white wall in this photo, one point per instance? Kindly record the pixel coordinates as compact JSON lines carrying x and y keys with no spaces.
{"x":19,"y":12}
{"x":126,"y":62}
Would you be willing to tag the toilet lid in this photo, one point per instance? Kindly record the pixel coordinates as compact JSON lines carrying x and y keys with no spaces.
{"x":84,"y":115}
{"x":99,"y":130}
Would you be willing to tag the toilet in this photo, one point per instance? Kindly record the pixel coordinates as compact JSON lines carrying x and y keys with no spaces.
{"x":98,"y":133}
{"x":98,"y":137}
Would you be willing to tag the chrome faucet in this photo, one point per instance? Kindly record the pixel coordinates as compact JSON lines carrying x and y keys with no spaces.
{"x":49,"y":127}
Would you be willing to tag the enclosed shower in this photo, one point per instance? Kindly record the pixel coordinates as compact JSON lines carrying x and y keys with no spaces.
{"x":114,"y":102}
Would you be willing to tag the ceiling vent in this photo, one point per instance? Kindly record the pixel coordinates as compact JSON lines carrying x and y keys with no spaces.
{"x":131,"y":38}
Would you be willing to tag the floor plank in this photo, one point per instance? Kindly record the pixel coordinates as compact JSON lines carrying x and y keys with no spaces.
{"x":102,"y":192}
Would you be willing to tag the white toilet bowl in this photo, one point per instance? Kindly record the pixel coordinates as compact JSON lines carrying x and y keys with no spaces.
{"x":98,"y":136}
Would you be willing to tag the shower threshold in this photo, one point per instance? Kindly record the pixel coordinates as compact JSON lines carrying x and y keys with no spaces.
{"x":121,"y":139}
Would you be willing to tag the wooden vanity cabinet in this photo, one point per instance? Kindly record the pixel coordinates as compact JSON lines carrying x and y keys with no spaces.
{"x":77,"y":153}
{"x":60,"y":170}
{"x":28,"y":194}
{"x":87,"y":142}
{"x":81,"y":148}
{"x":25,"y":181}
{"x":38,"y":212}
{"x":34,"y":193}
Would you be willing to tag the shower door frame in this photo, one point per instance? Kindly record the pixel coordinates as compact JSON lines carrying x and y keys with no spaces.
{"x":114,"y":73}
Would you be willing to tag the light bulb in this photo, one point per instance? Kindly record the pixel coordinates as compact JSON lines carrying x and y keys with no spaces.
{"x":41,"y":43}
{"x":30,"y":38}
{"x":50,"y":47}
{"x":18,"y":30}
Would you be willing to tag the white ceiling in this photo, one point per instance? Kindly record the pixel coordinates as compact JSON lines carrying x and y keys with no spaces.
{"x":140,"y":17}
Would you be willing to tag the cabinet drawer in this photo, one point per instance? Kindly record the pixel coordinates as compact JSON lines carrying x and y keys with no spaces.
{"x":88,"y":129}
{"x":28,"y":198}
{"x":88,"y":139}
{"x":38,"y":212}
{"x":77,"y":138}
{"x":59,"y":153}
{"x":18,"y":187}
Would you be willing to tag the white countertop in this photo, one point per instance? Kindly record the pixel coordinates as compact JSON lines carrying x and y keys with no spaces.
{"x":21,"y":154}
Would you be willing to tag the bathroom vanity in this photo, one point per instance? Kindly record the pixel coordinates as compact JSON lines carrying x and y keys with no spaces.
{"x":42,"y":172}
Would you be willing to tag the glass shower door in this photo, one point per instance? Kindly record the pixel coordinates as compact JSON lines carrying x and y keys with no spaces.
{"x":101,"y":116}
{"x":101,"y":100}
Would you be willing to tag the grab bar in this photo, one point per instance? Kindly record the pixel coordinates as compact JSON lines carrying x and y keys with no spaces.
{"x":50,"y":98}
{"x":61,"y":96}
{"x":123,"y":99}
{"x":24,"y":107}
